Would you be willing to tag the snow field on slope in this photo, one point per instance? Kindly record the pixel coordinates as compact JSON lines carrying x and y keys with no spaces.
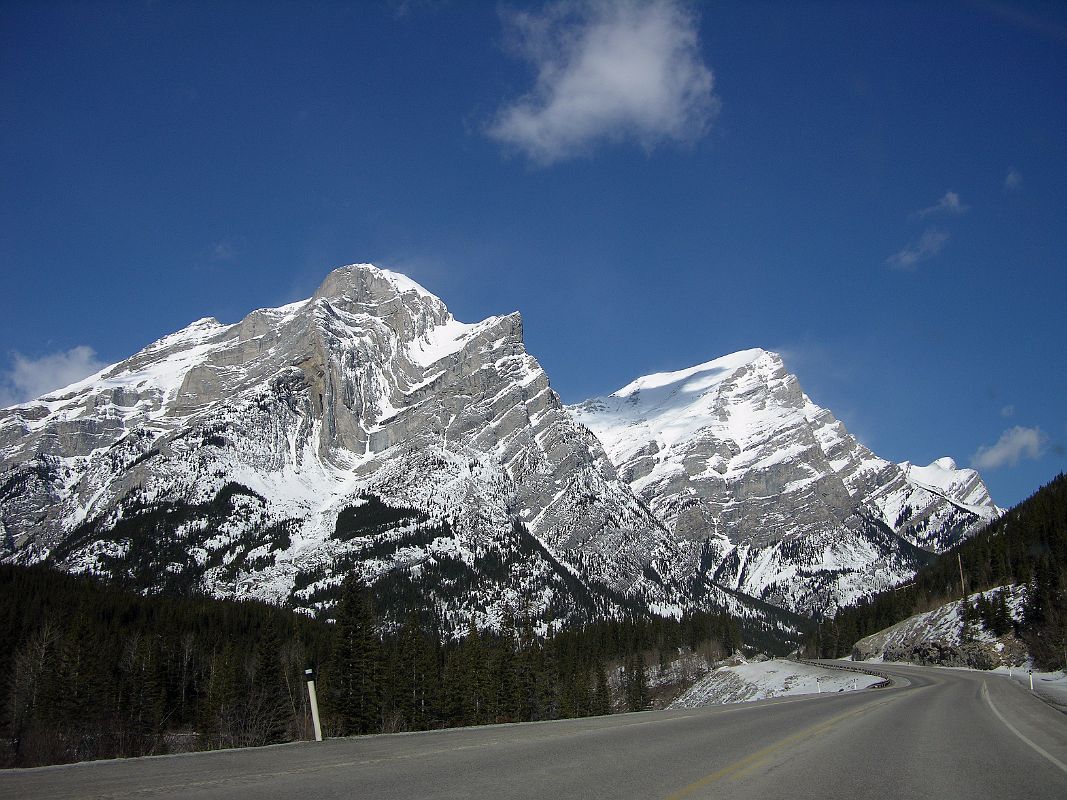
{"x":743,"y":683}
{"x":711,"y":372}
{"x":943,"y":477}
{"x":668,"y":407}
{"x":441,"y":341}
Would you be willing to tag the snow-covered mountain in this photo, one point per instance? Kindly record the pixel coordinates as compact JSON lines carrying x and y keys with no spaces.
{"x":367,"y":429}
{"x":362,"y":429}
{"x":768,"y":493}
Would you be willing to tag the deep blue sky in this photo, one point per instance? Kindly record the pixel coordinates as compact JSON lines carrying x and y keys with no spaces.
{"x":879,"y":191}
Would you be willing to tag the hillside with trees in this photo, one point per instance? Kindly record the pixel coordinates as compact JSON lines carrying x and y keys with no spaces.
{"x":94,"y":671}
{"x":1027,"y":546}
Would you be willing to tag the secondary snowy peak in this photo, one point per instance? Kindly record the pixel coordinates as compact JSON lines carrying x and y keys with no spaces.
{"x":769,"y":492}
{"x":963,"y":487}
{"x":669,"y":410}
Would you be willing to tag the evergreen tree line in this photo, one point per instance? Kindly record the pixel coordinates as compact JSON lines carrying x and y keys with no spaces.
{"x":1027,"y":546}
{"x":410,"y":680}
{"x":93,"y":671}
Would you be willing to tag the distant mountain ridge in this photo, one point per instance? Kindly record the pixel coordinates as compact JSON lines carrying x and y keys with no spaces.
{"x":367,"y":429}
{"x":768,"y":492}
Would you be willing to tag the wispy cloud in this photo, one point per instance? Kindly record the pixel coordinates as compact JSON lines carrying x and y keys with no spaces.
{"x":1007,"y":411}
{"x":224,"y":250}
{"x":403,"y":9}
{"x":1014,"y":444}
{"x":1013,"y":181}
{"x":929,"y":245}
{"x":1042,"y":22}
{"x":606,"y":71}
{"x":33,"y":377}
{"x":949,"y":205}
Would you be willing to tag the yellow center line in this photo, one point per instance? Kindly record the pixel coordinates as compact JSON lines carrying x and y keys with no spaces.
{"x":751,"y":760}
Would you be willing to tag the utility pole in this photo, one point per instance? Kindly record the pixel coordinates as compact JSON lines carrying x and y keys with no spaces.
{"x":963,"y":588}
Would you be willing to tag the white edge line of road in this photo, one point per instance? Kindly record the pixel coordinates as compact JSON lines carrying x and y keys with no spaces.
{"x":1038,"y":748}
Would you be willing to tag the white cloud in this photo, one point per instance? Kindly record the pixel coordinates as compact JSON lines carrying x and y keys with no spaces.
{"x":929,"y":245}
{"x":29,"y":378}
{"x":1013,"y":181}
{"x":949,"y":205}
{"x":1014,"y":444}
{"x":607,"y":71}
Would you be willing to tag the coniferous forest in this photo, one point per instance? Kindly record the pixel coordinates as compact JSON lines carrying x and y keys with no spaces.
{"x":1026,"y":546}
{"x":94,"y":671}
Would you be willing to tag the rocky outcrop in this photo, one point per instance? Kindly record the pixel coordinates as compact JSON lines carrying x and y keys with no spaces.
{"x":946,"y":636}
{"x":976,"y":655}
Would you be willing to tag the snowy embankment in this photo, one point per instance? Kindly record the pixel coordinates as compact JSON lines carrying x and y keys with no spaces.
{"x":742,"y":682}
{"x":1049,"y":686}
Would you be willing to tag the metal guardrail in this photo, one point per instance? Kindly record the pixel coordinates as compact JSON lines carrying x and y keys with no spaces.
{"x":886,"y":680}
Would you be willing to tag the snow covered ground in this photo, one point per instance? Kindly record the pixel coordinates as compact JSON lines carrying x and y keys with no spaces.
{"x":774,"y":678}
{"x":1050,"y":686}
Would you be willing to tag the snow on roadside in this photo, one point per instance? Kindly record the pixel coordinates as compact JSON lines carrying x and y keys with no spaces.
{"x":1051,"y":686}
{"x":774,"y":678}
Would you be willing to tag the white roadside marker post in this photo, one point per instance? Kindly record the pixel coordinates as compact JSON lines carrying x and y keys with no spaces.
{"x":310,"y":673}
{"x":1031,"y":679}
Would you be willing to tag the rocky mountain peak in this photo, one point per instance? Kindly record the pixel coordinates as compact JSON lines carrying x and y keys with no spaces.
{"x":234,"y":459}
{"x":769,"y":491}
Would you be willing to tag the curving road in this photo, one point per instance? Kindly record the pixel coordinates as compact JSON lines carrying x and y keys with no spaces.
{"x":934,"y":734}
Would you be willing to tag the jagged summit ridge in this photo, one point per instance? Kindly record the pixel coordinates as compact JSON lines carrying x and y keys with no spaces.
{"x":768,"y":491}
{"x":367,"y":429}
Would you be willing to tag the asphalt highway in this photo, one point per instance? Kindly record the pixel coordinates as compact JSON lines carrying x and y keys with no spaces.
{"x":935,"y":733}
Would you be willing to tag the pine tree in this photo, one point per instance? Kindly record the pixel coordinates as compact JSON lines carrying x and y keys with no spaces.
{"x":602,"y":694}
{"x":637,"y":694}
{"x":1002,"y":621}
{"x":269,"y":708}
{"x":217,"y":724}
{"x":355,"y":669}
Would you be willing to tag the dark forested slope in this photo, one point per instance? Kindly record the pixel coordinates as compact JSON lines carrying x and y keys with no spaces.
{"x":93,"y":671}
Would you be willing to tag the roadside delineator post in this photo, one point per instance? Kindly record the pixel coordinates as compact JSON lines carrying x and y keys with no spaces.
{"x":310,"y":673}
